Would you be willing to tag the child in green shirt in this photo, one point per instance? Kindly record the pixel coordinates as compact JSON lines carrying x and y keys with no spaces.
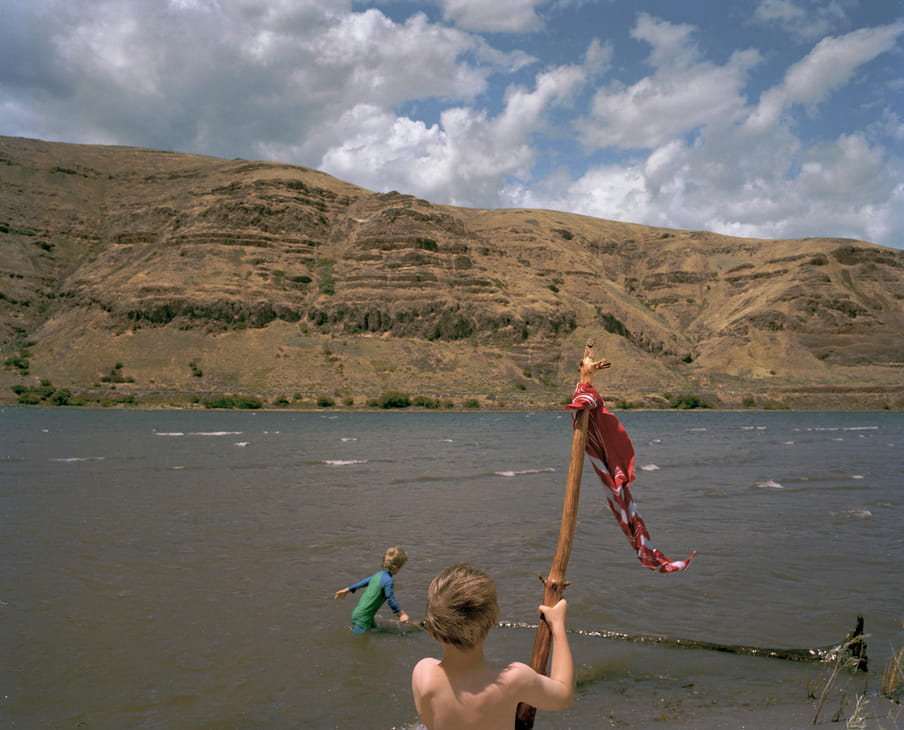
{"x":378,"y":588}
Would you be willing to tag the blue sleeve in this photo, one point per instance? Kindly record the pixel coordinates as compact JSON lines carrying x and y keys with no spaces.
{"x":386,"y":584}
{"x":360,"y":584}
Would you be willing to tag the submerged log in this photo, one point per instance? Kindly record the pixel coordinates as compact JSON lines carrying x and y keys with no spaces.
{"x":852,"y":649}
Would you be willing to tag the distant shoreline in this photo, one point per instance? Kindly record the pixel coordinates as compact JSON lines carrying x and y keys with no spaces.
{"x":420,"y":409}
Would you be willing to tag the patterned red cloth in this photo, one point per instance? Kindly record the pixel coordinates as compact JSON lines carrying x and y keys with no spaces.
{"x":612,"y":455}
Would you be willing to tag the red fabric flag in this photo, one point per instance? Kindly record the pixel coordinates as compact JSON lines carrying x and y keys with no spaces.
{"x":612,"y":455}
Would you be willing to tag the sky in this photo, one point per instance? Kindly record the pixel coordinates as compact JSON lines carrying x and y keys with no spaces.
{"x":754,"y":118}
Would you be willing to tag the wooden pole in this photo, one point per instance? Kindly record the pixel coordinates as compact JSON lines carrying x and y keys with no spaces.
{"x":555,"y":583}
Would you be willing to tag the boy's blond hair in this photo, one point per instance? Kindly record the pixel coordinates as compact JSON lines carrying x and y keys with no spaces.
{"x":461,"y":606}
{"x":393,"y":559}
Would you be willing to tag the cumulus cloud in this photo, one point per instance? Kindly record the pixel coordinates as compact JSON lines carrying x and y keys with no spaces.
{"x":830,"y":65}
{"x":499,"y":15}
{"x":803,"y":19}
{"x":745,"y":172}
{"x":465,"y":159}
{"x":846,"y":186}
{"x":234,"y":77}
{"x":384,"y":62}
{"x":682,"y":94}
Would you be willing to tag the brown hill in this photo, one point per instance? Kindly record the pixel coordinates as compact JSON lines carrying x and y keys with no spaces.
{"x":164,"y":276}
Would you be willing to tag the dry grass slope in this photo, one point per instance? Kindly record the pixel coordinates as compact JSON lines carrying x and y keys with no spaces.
{"x":202,"y":276}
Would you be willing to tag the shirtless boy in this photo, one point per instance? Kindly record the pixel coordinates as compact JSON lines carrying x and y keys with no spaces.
{"x":464,"y":690}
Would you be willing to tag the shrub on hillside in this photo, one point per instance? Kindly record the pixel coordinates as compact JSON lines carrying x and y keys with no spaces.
{"x":391,"y":399}
{"x":686,"y":401}
{"x":228,"y":401}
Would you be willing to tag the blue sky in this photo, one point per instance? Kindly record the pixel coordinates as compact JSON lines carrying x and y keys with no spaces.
{"x":761,"y":118}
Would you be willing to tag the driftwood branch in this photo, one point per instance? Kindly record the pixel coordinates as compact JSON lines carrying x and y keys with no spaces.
{"x":555,"y":583}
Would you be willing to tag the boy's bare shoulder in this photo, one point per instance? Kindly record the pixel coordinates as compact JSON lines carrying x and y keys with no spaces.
{"x":428,"y":662}
{"x":425,"y":675}
{"x":515,"y":676}
{"x":519,"y":668}
{"x":424,"y":668}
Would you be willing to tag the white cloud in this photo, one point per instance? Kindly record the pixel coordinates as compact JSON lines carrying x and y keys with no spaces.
{"x":766,"y":187}
{"x":746,"y":171}
{"x":498,"y":15}
{"x":853,"y":185}
{"x":367,"y":58}
{"x":616,"y":192}
{"x":892,"y":126}
{"x":672,"y":43}
{"x":383,"y":148}
{"x":830,"y":65}
{"x":683,"y":93}
{"x":598,"y":56}
{"x":805,"y":20}
{"x":846,"y":188}
{"x":785,"y":12}
{"x":111,"y":47}
{"x":228,"y":77}
{"x":464,"y":160}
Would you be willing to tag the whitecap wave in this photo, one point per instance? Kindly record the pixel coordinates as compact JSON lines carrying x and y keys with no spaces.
{"x":854,"y":513}
{"x":649,"y":467}
{"x":769,"y":484}
{"x":521,"y":472}
{"x":198,"y":433}
{"x":343,"y":462}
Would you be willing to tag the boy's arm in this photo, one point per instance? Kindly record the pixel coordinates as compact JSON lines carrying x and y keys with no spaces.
{"x":389,"y":593}
{"x":555,"y":692}
{"x":342,"y":592}
{"x":562,"y":669}
{"x":422,"y":687}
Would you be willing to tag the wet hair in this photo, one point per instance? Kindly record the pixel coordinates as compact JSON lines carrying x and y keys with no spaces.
{"x":393,"y":559}
{"x":461,"y":606}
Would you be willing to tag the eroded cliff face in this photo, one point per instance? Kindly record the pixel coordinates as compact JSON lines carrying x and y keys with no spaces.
{"x":112,"y":254}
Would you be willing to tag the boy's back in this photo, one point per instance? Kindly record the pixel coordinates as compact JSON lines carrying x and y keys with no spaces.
{"x":484,"y":697}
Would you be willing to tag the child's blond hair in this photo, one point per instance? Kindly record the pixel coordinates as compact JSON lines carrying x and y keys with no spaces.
{"x":461,"y":606}
{"x":393,"y":559}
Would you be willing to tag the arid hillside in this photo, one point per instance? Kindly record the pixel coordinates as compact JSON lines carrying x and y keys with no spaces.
{"x":162,"y":278}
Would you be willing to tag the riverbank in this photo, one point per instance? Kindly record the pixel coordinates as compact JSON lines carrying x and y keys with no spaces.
{"x":45,"y":393}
